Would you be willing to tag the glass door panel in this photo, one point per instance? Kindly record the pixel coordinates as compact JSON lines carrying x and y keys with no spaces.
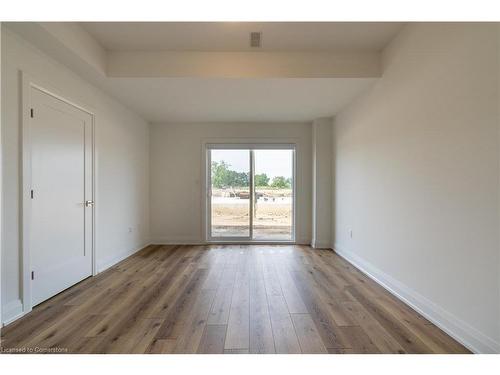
{"x":230,"y":194}
{"x":273,"y":202}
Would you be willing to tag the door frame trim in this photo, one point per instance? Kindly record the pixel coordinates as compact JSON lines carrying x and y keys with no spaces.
{"x":250,"y":144}
{"x":27,"y":83}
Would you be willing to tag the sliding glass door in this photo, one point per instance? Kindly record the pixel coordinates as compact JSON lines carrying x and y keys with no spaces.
{"x":230,"y":194}
{"x":273,"y":203}
{"x":250,"y":192}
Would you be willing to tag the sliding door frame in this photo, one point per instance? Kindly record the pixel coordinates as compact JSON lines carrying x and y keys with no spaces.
{"x":251,"y":147}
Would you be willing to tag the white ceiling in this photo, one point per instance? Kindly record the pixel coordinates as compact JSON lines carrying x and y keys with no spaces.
{"x":234,"y":36}
{"x":199,"y":100}
{"x":209,"y":98}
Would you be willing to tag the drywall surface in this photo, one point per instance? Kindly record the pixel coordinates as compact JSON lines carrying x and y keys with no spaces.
{"x":417,"y":177}
{"x":321,"y":182}
{"x":122,"y":164}
{"x":177,"y":196}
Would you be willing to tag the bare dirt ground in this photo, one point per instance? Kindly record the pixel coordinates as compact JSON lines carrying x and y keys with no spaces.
{"x":265,"y":215}
{"x":273,"y":214}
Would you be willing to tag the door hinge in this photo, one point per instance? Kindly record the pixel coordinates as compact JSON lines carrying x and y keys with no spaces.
{"x":31,"y":194}
{"x":32,"y":112}
{"x":32,"y":275}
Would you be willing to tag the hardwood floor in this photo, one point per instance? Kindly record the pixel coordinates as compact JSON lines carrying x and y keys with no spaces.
{"x":228,"y":299}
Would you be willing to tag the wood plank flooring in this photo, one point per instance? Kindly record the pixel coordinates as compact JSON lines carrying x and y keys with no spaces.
{"x":228,"y":299}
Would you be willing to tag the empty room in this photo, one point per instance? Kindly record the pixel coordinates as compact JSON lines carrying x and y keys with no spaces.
{"x":250,"y":187}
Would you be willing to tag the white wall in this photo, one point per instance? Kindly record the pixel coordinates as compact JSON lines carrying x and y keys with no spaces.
{"x":321,"y":182}
{"x":122,"y":141}
{"x":417,"y":177}
{"x":176,"y":174}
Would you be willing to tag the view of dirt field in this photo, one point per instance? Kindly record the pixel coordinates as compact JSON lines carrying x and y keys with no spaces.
{"x":270,"y":171}
{"x":272,"y":213}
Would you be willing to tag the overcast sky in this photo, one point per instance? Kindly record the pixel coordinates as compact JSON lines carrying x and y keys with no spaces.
{"x":271,"y":162}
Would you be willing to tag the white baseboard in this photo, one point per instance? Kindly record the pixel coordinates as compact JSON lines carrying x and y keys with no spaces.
{"x":12,"y":311}
{"x":461,"y":331}
{"x":102,"y":266}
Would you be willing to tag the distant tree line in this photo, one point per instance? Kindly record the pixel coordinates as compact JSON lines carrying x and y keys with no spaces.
{"x":224,"y":177}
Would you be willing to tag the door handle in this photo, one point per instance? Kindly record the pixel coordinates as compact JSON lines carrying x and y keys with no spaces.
{"x":89,"y":203}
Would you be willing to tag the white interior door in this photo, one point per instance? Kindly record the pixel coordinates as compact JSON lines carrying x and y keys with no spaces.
{"x":61,"y":183}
